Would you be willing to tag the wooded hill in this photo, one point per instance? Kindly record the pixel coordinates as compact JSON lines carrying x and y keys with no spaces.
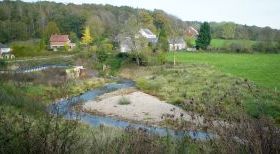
{"x":24,"y":21}
{"x":231,"y":30}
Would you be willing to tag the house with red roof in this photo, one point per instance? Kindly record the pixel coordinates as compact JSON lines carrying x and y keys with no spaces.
{"x":60,"y":41}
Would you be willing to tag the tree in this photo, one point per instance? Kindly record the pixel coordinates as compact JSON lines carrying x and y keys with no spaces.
{"x":163,"y":41}
{"x":174,"y":33}
{"x":73,"y":37}
{"x":204,"y":38}
{"x":51,"y":28}
{"x":160,"y":19}
{"x":229,"y":30}
{"x":87,"y":38}
{"x":97,"y":27}
{"x":138,"y":43}
{"x":146,"y":20}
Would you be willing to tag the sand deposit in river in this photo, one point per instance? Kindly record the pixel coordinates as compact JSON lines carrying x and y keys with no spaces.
{"x":142,"y":107}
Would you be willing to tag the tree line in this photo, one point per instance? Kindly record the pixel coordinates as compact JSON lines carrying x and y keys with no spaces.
{"x":24,"y":21}
{"x":28,"y":21}
{"x":231,"y":30}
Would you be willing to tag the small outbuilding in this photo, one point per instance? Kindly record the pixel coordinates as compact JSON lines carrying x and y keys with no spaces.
{"x":5,"y":52}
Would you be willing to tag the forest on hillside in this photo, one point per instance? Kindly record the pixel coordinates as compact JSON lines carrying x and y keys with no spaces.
{"x":24,"y":21}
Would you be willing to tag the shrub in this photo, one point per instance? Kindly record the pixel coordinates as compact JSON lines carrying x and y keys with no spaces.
{"x":27,"y":48}
{"x":124,"y":101}
{"x":142,"y":57}
{"x":240,"y":47}
{"x":3,"y":64}
{"x":161,"y":58}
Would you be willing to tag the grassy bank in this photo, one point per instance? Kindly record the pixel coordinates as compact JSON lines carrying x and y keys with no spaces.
{"x":262,"y":69}
{"x":203,"y":89}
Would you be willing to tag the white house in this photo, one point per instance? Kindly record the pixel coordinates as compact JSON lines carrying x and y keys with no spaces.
{"x":177,"y":44}
{"x":126,"y":44}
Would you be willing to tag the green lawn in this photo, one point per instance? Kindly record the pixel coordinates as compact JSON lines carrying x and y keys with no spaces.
{"x":262,"y":69}
{"x":222,"y":43}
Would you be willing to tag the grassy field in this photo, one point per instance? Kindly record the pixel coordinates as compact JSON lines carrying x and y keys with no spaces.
{"x":222,"y":43}
{"x":203,"y":89}
{"x":262,"y":69}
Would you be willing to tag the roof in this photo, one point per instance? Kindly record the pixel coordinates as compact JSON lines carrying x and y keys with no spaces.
{"x":152,"y":38}
{"x":147,"y":33}
{"x":191,"y":31}
{"x":59,"y":38}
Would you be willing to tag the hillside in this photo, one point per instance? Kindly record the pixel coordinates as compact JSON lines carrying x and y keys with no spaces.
{"x":37,"y":20}
{"x":24,"y":21}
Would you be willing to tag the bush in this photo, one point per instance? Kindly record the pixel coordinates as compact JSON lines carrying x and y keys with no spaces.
{"x":28,"y":48}
{"x":267,"y":46}
{"x":143,"y":58}
{"x":237,"y":47}
{"x":161,"y":58}
{"x":3,"y":64}
{"x":115,"y":63}
{"x":124,"y":101}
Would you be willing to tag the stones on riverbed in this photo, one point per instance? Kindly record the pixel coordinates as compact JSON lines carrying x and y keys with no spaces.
{"x":173,"y":109}
{"x":167,"y":115}
{"x":131,"y":129}
{"x":181,"y":114}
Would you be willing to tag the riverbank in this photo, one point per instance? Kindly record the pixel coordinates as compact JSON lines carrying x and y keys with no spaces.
{"x":139,"y":107}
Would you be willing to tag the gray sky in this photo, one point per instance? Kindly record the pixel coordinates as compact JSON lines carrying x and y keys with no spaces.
{"x":251,"y":12}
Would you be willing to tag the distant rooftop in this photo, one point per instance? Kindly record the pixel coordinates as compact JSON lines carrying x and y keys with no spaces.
{"x":59,"y":38}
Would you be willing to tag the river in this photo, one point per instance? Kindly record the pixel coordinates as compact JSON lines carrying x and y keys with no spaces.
{"x":65,"y":108}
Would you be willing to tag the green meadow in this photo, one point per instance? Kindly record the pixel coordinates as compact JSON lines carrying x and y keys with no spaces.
{"x":222,"y":43}
{"x":262,"y":69}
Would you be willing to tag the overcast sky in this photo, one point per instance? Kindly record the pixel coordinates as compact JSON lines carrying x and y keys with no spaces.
{"x":251,"y":12}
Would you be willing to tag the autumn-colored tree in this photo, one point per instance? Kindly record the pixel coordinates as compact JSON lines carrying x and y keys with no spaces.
{"x":87,"y":38}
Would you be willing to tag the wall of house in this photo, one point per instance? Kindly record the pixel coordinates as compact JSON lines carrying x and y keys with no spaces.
{"x":177,"y":46}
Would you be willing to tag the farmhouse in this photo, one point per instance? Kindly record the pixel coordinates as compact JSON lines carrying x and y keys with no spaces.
{"x":177,"y":44}
{"x":126,"y":44}
{"x":60,"y":41}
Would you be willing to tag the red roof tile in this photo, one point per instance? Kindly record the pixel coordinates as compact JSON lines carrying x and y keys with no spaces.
{"x":59,"y":38}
